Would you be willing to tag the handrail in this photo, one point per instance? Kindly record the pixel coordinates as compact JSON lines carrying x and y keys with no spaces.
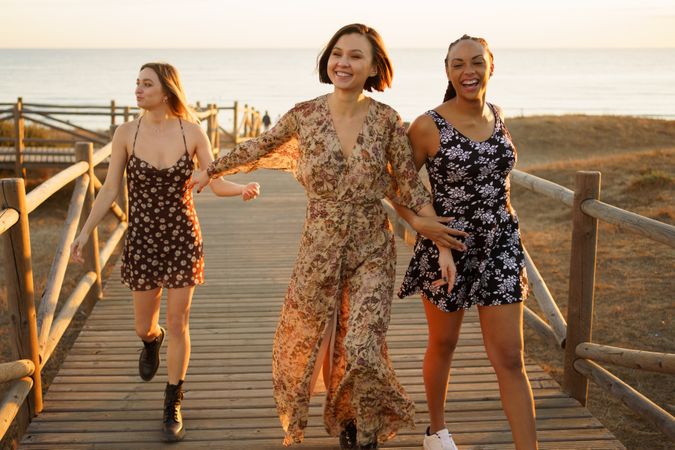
{"x":35,"y":350}
{"x":16,"y":370}
{"x":626,"y":220}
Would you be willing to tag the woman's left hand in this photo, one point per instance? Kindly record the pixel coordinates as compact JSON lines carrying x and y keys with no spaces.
{"x":250,"y":191}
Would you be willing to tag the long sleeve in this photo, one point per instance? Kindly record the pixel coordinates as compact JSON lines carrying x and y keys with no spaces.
{"x":274,"y":149}
{"x":406,"y":187}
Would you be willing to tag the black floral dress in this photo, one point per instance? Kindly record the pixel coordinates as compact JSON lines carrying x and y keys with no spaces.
{"x":470,"y":182}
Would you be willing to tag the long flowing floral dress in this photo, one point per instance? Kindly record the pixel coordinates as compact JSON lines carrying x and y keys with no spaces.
{"x":339,"y":298}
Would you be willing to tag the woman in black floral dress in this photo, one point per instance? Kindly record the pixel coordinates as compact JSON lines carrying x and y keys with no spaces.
{"x":468,"y":154}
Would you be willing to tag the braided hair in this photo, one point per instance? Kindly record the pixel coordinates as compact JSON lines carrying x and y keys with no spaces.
{"x":450,"y":91}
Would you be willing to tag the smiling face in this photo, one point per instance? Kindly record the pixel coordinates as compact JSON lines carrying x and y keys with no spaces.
{"x":149,"y":91}
{"x":351,"y":62}
{"x":469,"y":67}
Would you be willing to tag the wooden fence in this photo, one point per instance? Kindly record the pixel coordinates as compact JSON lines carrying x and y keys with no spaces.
{"x":36,"y":333}
{"x":246,"y":123}
{"x":573,"y":335}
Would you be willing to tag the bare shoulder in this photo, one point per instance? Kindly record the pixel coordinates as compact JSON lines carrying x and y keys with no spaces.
{"x":125,"y":129}
{"x":422,"y":126}
{"x":424,"y":135}
{"x":499,"y":111}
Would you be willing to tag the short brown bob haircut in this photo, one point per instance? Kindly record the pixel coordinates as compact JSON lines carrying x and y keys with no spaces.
{"x":382,"y":79}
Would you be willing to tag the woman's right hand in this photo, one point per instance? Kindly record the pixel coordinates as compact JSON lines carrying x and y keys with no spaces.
{"x":448,"y":269}
{"x":434,"y":228}
{"x":76,"y":248}
{"x":200,"y":179}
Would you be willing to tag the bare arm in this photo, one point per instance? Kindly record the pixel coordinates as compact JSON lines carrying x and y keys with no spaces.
{"x":274,"y":149}
{"x":108,"y":192}
{"x":219,"y":186}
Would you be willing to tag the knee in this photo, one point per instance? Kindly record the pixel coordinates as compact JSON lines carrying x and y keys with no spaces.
{"x":177,"y":324}
{"x":508,"y":361}
{"x":442,"y":345}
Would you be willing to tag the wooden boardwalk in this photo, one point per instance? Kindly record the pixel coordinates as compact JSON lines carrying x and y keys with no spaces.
{"x":97,"y":401}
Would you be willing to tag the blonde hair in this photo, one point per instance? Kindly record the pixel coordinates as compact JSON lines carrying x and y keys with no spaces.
{"x":173,"y":88}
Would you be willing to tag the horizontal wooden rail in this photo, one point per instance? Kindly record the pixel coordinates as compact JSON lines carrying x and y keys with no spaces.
{"x":65,"y":122}
{"x":71,"y":132}
{"x":660,"y":418}
{"x":101,"y":154}
{"x":542,"y":186}
{"x":12,"y":401}
{"x":112,"y":242}
{"x":8,"y":217}
{"x":50,"y":297}
{"x":45,"y":190}
{"x":16,"y":370}
{"x":545,"y":300}
{"x":47,"y":105}
{"x":626,"y":220}
{"x":633,"y":359}
{"x":66,"y":315}
{"x":538,"y":324}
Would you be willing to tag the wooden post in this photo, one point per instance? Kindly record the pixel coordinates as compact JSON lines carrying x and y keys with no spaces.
{"x":112,"y":113}
{"x":216,"y":135}
{"x":127,"y":114}
{"x":84,"y":151}
{"x":247,"y":120}
{"x":19,"y":134}
{"x":582,"y":282}
{"x":20,"y":291}
{"x":235,"y":126}
{"x":209,"y":123}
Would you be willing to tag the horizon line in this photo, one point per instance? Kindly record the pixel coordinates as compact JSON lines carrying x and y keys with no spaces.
{"x":313,"y":48}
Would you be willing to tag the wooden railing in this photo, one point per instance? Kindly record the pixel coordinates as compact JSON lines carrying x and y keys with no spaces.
{"x":574,"y":334}
{"x":36,"y":333}
{"x":246,"y":123}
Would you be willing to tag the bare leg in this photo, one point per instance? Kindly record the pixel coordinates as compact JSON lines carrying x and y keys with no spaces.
{"x":502,"y":328}
{"x":146,"y":313}
{"x":178,"y":327}
{"x":443,"y":335}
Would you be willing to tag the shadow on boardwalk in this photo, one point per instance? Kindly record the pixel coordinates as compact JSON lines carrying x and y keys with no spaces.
{"x":98,"y":401}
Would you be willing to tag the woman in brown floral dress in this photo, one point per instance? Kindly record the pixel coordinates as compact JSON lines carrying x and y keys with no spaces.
{"x":348,"y":151}
{"x":163,"y":246}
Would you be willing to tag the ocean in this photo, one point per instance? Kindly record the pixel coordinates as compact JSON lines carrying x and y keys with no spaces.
{"x":639,"y":82}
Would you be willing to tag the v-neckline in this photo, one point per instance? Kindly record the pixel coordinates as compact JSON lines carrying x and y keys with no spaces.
{"x":337,"y":135}
{"x":495,"y":127}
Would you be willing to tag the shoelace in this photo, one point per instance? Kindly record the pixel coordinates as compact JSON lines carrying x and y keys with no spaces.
{"x":172,"y":407}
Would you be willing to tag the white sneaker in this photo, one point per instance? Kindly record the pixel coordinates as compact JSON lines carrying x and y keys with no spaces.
{"x":440,"y":440}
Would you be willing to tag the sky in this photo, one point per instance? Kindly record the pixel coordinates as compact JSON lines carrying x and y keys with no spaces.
{"x":310,"y":23}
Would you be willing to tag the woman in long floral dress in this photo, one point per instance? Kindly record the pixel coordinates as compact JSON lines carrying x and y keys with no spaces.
{"x":348,"y":151}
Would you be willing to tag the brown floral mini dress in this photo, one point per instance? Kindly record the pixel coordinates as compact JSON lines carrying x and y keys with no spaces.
{"x":163,"y":246}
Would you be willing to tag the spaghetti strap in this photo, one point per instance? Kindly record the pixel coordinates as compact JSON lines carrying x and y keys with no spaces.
{"x":138,"y":127}
{"x":183,"y":133}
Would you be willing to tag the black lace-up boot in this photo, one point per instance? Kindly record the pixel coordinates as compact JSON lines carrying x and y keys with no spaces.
{"x":148,"y":363}
{"x":173,"y":429}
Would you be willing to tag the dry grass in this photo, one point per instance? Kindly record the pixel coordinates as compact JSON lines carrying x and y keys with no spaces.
{"x":634,"y":281}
